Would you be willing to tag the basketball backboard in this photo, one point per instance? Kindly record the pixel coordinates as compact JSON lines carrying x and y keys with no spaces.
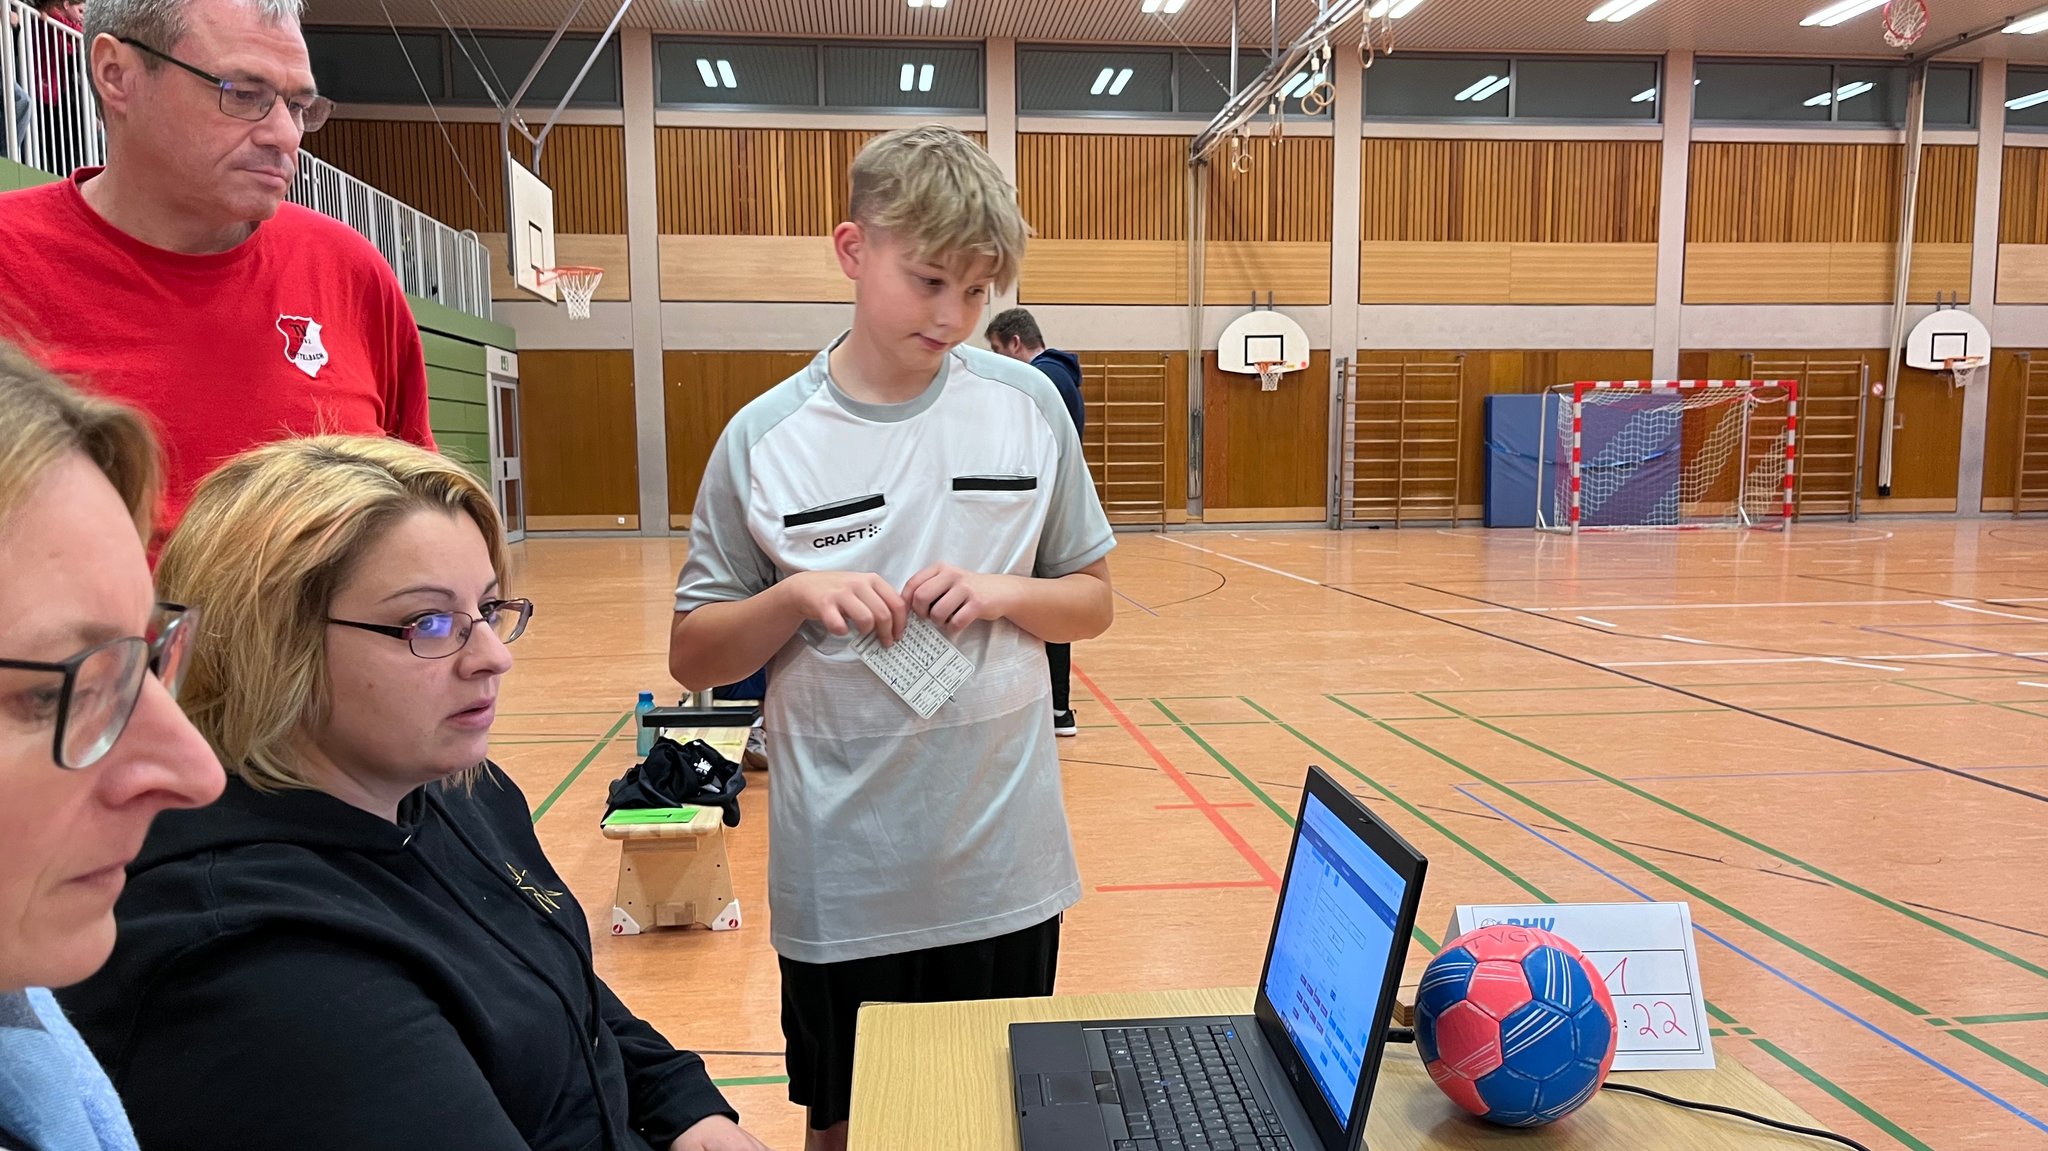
{"x":530,"y":229}
{"x":1262,"y":336}
{"x":1948,"y":334}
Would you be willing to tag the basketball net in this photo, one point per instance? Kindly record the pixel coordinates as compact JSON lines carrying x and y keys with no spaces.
{"x":578,"y":285}
{"x":1962,"y":371}
{"x":1269,"y":376}
{"x":1904,"y":22}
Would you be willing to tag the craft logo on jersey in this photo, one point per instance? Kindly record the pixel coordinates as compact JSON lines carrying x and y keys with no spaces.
{"x":302,"y":344}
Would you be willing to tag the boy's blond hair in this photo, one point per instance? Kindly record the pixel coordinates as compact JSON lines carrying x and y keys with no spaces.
{"x":942,"y":195}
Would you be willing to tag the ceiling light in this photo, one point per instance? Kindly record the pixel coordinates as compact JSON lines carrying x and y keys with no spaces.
{"x":1845,"y":92}
{"x":1644,"y":96}
{"x":1102,"y":79}
{"x":1484,"y":89}
{"x":725,"y":74}
{"x":1391,"y":9}
{"x":924,"y":79}
{"x":1839,"y":13}
{"x":923,"y":3}
{"x":1122,"y":78}
{"x":1299,"y":80}
{"x":1152,"y":6}
{"x":1615,"y":11}
{"x":909,"y":77}
{"x":704,"y":70}
{"x":2028,"y":25}
{"x":2028,"y":101}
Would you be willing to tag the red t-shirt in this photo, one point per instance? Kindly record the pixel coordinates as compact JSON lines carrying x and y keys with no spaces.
{"x":301,"y":329}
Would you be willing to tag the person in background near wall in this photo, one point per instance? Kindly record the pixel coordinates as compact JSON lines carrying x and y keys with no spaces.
{"x":92,"y":744}
{"x":1015,"y":334}
{"x":177,"y":278}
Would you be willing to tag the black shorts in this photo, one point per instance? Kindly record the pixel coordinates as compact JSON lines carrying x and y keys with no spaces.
{"x":820,"y":1001}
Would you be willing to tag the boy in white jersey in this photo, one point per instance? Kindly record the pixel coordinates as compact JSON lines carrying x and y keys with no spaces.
{"x":902,"y":474}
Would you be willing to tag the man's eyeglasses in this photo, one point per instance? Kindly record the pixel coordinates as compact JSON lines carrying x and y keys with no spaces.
{"x":250,"y":99}
{"x":95,"y":691}
{"x":440,"y":634}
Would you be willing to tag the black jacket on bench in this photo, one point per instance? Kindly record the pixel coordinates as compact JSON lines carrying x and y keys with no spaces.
{"x":294,"y":973}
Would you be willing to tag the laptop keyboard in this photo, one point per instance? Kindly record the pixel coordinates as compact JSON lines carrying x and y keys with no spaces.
{"x":1182,"y":1090}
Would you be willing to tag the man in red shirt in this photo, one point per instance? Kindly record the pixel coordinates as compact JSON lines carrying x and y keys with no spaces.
{"x":177,"y":278}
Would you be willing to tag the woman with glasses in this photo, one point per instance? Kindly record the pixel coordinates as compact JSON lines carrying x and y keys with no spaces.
{"x":92,"y":745}
{"x":361,"y":945}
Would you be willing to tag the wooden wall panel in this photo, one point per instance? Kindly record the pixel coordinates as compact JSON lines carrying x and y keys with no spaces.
{"x":1284,"y":194}
{"x":571,"y":248}
{"x":1091,"y":187}
{"x":705,"y":390}
{"x":459,"y":178}
{"x":756,"y":181}
{"x":1507,"y":191}
{"x":764,"y":269}
{"x":2023,"y":273}
{"x":1265,"y":455}
{"x":1063,"y":271}
{"x":577,"y":440}
{"x":1925,"y":447}
{"x":1451,"y":272}
{"x":1295,"y":272}
{"x":1514,"y":372}
{"x":1749,"y":193}
{"x":1820,"y":273}
{"x":2023,"y":198}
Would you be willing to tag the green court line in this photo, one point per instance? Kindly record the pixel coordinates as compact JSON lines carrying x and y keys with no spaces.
{"x":1711,"y":683}
{"x":515,"y":714}
{"x":588,"y":758}
{"x":1719,"y":1015}
{"x":2012,"y":1061}
{"x":2019,"y":1017}
{"x":1285,"y":815}
{"x":1980,"y":702}
{"x":1889,"y":904}
{"x":751,"y":1081}
{"x":1861,"y":1108}
{"x":1591,"y":836}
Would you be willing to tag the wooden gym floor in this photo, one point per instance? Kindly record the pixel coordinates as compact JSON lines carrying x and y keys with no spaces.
{"x":1832,"y":743}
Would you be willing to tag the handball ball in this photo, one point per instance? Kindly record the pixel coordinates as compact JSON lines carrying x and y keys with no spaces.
{"x":1515,"y":1025}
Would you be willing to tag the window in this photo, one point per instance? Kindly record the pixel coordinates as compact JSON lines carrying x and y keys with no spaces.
{"x":1202,"y":82}
{"x":2026,"y":98}
{"x":1860,"y":94}
{"x":1424,"y":87}
{"x":785,"y":74}
{"x":1143,"y":82}
{"x":420,"y":66}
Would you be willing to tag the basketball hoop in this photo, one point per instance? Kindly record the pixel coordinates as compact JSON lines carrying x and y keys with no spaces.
{"x":1269,"y":375}
{"x":1962,"y":371}
{"x":578,"y":286}
{"x":1904,"y":22}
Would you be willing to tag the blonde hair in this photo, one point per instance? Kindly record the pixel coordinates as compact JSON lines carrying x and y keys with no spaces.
{"x":42,"y":421}
{"x":943,"y":195}
{"x":265,"y":545}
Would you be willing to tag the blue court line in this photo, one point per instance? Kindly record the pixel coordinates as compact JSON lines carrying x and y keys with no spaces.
{"x":1768,"y":774}
{"x":1465,"y":790}
{"x":1136,"y":604}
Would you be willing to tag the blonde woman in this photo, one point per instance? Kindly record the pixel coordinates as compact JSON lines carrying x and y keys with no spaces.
{"x":361,"y":946}
{"x":92,"y":745}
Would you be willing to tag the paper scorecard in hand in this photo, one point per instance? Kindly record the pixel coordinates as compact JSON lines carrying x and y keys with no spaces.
{"x":923,"y":667}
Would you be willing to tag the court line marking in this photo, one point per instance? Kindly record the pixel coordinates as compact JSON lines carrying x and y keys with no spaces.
{"x":1245,"y":562}
{"x":1987,"y":611}
{"x":1596,"y":622}
{"x":1230,"y":834}
{"x":1710,"y":933}
{"x":2030,"y":683}
{"x":1842,"y":1096}
{"x":1217,"y":885}
{"x":1823,"y":658}
{"x":1717,"y":606}
{"x":1864,"y":666}
{"x":1192,"y":807}
{"x":588,"y":757}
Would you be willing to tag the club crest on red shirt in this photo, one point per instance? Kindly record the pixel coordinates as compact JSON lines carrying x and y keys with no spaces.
{"x":302,"y":344}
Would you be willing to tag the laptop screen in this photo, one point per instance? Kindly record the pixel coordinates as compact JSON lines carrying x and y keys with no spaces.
{"x":1339,"y":914}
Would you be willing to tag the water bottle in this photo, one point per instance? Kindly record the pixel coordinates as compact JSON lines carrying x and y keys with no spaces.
{"x":644,"y":740}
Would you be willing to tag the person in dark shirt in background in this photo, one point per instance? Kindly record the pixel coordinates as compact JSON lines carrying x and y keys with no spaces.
{"x":1015,"y":334}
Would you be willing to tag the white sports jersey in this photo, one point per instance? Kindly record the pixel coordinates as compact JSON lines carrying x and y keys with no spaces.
{"x":890,"y":833}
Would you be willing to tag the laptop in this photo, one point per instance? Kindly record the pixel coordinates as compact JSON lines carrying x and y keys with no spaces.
{"x":1298,"y":1074}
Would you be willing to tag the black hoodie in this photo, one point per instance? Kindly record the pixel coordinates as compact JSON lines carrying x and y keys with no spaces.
{"x":1064,"y":370}
{"x":295,"y":973}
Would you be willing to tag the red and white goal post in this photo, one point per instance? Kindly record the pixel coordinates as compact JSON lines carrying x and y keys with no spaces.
{"x":1636,"y":455}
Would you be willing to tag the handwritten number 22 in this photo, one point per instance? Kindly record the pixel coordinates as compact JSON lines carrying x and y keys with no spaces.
{"x":1649,"y":1026}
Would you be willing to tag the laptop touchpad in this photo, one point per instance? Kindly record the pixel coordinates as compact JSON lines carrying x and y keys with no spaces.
{"x":1066,"y":1087}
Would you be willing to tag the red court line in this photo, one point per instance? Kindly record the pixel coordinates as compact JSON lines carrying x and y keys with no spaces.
{"x":1192,"y":807}
{"x":1109,"y":888}
{"x":1196,"y":799}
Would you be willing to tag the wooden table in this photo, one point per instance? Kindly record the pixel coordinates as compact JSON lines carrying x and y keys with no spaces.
{"x":677,"y":874}
{"x":936,"y":1077}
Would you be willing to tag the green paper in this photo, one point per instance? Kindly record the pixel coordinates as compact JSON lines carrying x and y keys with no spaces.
{"x":630,"y":816}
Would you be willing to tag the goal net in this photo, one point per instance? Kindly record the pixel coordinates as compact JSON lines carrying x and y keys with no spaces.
{"x":1620,"y":455}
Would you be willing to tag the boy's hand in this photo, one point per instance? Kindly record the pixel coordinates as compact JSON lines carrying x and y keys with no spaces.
{"x":856,"y":602}
{"x":717,"y":1134}
{"x":953,"y":597}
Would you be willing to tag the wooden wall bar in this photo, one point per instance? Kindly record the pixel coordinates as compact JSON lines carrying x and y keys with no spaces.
{"x":460,"y":180}
{"x":577,"y":440}
{"x":1818,"y":223}
{"x":2001,"y":426}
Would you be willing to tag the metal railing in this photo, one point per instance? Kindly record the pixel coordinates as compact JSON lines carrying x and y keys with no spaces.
{"x":50,"y":122}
